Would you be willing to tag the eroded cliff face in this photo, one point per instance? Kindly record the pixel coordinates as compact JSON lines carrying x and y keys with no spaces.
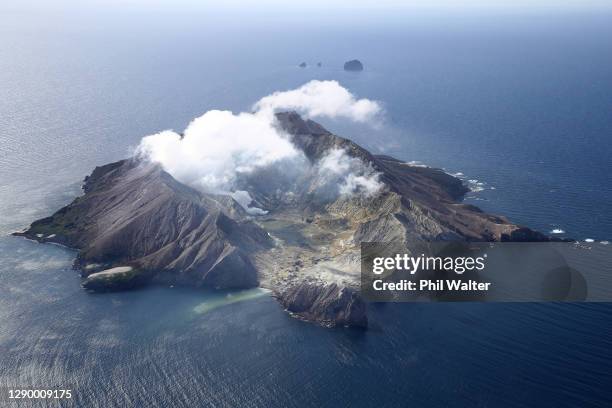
{"x":330,"y":304}
{"x":305,"y":249}
{"x":135,"y":214}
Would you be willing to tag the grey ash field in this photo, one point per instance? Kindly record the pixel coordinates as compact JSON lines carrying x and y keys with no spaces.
{"x":136,"y":225}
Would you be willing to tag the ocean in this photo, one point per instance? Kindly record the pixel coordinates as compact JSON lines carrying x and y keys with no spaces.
{"x":519,"y":105}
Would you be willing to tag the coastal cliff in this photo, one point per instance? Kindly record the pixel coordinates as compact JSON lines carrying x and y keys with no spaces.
{"x":135,"y":214}
{"x":331,"y":305}
{"x":136,"y":225}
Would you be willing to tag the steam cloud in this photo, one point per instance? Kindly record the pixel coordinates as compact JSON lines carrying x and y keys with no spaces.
{"x":321,"y":99}
{"x":350,"y":174}
{"x":219,"y":147}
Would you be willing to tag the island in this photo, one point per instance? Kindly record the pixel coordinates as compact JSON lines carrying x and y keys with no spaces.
{"x":136,"y":225}
{"x":353,"y":65}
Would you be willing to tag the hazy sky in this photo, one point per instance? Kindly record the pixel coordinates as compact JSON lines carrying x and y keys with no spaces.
{"x":266,"y":5}
{"x":167,"y":15}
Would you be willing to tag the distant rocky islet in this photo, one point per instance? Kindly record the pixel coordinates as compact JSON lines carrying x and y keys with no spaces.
{"x":353,"y":65}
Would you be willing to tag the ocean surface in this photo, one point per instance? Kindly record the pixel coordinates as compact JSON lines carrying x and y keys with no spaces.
{"x":521,"y":106}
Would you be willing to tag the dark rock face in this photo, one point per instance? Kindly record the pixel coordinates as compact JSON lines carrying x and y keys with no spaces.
{"x":524,"y":234}
{"x":316,"y":141}
{"x":302,"y":65}
{"x":330,"y":305}
{"x":136,"y":214}
{"x":353,"y":65}
{"x":419,"y":202}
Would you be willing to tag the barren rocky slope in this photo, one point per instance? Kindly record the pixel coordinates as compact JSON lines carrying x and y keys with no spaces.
{"x":135,"y":215}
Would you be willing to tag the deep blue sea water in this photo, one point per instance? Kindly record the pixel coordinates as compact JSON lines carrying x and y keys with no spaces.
{"x":522,"y":104}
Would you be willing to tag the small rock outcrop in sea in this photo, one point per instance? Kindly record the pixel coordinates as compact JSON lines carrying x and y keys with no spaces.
{"x":319,"y":64}
{"x":135,"y":224}
{"x":118,"y":278}
{"x":353,"y":65}
{"x":302,"y":65}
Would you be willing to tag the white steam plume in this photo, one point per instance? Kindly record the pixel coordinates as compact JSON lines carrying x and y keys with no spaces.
{"x":217,"y":147}
{"x":321,"y":99}
{"x":350,"y":174}
{"x":220,"y":146}
{"x":244,"y":199}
